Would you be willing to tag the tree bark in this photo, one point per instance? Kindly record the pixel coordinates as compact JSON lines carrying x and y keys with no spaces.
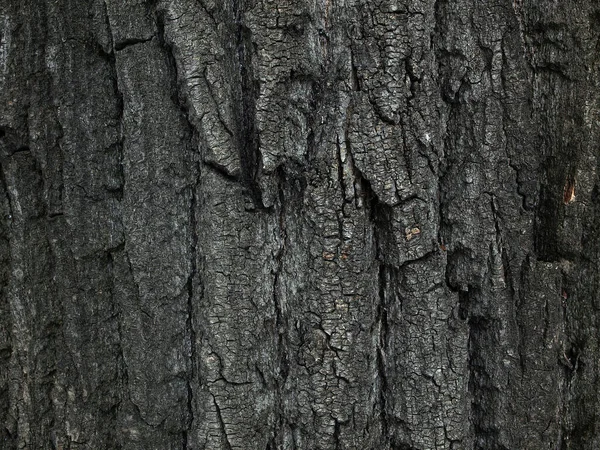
{"x":299,"y":224}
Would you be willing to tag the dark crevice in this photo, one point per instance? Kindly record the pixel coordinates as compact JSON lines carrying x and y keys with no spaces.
{"x":382,"y":318}
{"x":208,"y":13}
{"x":407,"y":148}
{"x":4,"y":185}
{"x":281,"y":332}
{"x":118,"y":354}
{"x":572,"y":361}
{"x":463,"y":305}
{"x":120,"y":103}
{"x":123,"y":362}
{"x":336,"y":433}
{"x":519,"y":302}
{"x":550,"y":213}
{"x":310,"y":142}
{"x":516,"y":144}
{"x":414,"y":81}
{"x":381,"y":218}
{"x":122,"y":374}
{"x":381,"y":215}
{"x":178,"y":97}
{"x":356,"y":83}
{"x":246,"y":94}
{"x":117,"y":191}
{"x":225,"y":438}
{"x":342,"y":182}
{"x":221,"y":171}
{"x":553,"y":69}
{"x":280,"y":317}
{"x":190,"y":305}
{"x":121,"y":45}
{"x":402,"y":446}
{"x":21,"y":149}
{"x":484,"y":394}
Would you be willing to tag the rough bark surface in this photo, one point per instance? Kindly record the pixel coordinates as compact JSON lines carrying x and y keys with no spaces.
{"x":298,"y":224}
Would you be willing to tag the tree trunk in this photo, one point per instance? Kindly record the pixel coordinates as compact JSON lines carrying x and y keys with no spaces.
{"x":299,"y":224}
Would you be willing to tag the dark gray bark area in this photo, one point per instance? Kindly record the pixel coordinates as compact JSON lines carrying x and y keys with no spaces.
{"x":299,"y":225}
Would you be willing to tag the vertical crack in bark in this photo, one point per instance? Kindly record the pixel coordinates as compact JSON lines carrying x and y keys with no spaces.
{"x":226,"y":443}
{"x":4,"y":185}
{"x":122,"y":370}
{"x":356,"y":86}
{"x":378,"y":211}
{"x":112,"y":61}
{"x":178,"y":97}
{"x":246,"y":90}
{"x":485,"y":395}
{"x":343,"y":186}
{"x":190,"y":304}
{"x":478,"y":404}
{"x":381,"y":349}
{"x":527,"y":203}
{"x":122,"y":352}
{"x":180,"y":102}
{"x":280,"y":319}
{"x":117,"y":316}
{"x":281,"y":375}
{"x":380,"y":216}
{"x":120,"y":131}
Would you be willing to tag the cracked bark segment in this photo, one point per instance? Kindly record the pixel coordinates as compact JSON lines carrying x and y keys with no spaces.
{"x":154,"y":409}
{"x":89,"y":332}
{"x":379,"y":152}
{"x":569,"y":94}
{"x":22,"y":179}
{"x":131,"y":22}
{"x":491,"y":132}
{"x":382,"y":43}
{"x":407,"y":232}
{"x":289,"y":48}
{"x":541,"y":382}
{"x":238,"y":323}
{"x":328,"y":402}
{"x":208,"y":76}
{"x":91,"y":179}
{"x":397,"y":101}
{"x":41,"y":160}
{"x":426,"y":347}
{"x":155,"y":152}
{"x":359,"y":224}
{"x":474,"y":73}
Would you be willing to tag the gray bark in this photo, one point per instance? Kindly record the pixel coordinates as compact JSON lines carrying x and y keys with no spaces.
{"x":299,"y":224}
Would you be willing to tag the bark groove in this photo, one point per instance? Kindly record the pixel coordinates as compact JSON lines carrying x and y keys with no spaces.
{"x":333,"y":224}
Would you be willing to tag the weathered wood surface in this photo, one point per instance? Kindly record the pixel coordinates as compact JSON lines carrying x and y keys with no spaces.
{"x":299,"y":224}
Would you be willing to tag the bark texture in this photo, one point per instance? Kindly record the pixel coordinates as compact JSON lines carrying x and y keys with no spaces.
{"x":299,"y":224}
